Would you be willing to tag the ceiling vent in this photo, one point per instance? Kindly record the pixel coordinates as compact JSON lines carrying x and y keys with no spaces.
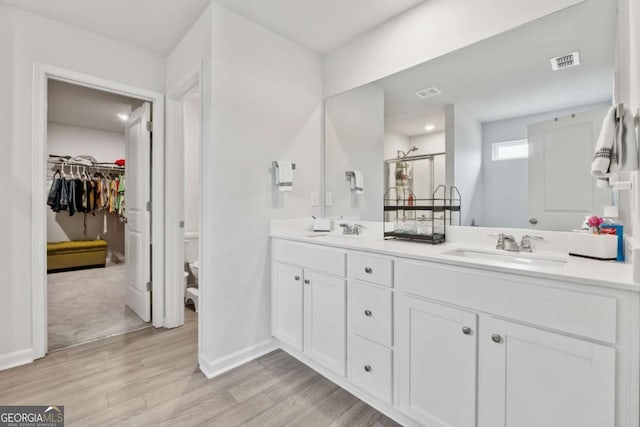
{"x":565,"y":61}
{"x":428,"y":92}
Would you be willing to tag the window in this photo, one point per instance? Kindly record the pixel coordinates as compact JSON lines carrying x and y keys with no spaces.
{"x":510,"y":150}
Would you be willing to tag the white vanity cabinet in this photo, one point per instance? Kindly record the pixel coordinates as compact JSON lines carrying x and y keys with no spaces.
{"x":308,"y":302}
{"x":531,"y":369}
{"x":442,"y":345}
{"x":437,"y":360}
{"x":325,"y":320}
{"x":287,"y":304}
{"x":539,"y":378}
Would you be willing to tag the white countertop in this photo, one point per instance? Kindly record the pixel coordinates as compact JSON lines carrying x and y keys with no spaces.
{"x":578,"y":270}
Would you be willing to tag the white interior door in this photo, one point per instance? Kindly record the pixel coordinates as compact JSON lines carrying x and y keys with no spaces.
{"x":138,"y":227}
{"x":561,"y":189}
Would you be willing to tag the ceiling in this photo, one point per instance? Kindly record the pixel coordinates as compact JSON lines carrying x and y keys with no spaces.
{"x":510,"y":75}
{"x":320,"y":25}
{"x":154,"y":25}
{"x":74,"y":105}
{"x":158,"y":25}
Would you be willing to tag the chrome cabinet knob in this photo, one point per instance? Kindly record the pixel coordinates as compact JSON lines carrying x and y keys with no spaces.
{"x":368,"y":313}
{"x":367,"y":368}
{"x":297,"y":278}
{"x":533,"y":221}
{"x":496,"y":338}
{"x":466,"y":330}
{"x":307,"y":281}
{"x":368,"y":270}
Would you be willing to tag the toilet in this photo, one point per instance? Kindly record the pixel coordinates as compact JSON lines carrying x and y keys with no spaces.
{"x":191,"y":294}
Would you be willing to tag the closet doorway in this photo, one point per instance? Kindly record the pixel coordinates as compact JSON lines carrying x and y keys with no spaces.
{"x":98,"y":180}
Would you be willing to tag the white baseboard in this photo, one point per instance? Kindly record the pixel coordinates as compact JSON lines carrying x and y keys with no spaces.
{"x":213,"y":368}
{"x":16,"y":358}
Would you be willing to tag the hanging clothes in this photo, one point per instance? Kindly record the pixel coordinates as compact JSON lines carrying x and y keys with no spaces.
{"x":87,"y":193}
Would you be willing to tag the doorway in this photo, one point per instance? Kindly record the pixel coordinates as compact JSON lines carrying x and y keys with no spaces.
{"x":144,"y":238}
{"x":88,"y":238}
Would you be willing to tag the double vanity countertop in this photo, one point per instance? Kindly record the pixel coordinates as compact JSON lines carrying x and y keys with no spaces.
{"x":573,"y":269}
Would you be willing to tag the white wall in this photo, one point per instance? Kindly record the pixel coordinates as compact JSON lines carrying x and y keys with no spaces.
{"x":506,"y":182}
{"x":192,"y":123}
{"x":429,"y":30}
{"x":428,"y":143}
{"x":27,"y":38}
{"x":265,"y":104}
{"x":354,"y":140}
{"x":105,"y":147}
{"x":394,"y":141}
{"x":464,"y":162}
{"x":74,"y":140}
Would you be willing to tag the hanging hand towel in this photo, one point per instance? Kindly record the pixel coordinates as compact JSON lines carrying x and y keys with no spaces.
{"x":603,"y":156}
{"x":627,"y":143}
{"x":284,"y":176}
{"x":357,"y":182}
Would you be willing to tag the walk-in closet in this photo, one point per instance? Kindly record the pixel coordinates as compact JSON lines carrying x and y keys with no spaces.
{"x":87,"y":214}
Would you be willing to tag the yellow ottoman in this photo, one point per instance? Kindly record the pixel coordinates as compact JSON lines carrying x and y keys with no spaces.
{"x":76,"y":255}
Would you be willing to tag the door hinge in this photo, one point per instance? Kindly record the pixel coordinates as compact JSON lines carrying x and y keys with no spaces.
{"x":148,"y":206}
{"x":149,"y":126}
{"x":149,"y":286}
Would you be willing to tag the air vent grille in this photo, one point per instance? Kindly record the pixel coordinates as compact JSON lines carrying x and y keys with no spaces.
{"x":565,"y":61}
{"x":428,"y":92}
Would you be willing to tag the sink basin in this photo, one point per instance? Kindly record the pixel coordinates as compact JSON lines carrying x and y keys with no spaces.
{"x":337,"y":236}
{"x":510,"y":259}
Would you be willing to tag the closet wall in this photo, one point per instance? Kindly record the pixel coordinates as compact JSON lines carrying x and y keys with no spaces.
{"x":105,"y":146}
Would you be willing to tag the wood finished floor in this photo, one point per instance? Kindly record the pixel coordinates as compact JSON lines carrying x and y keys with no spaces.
{"x":150,"y":377}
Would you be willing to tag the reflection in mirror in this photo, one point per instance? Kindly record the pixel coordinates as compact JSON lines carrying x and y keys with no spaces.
{"x":511,"y":121}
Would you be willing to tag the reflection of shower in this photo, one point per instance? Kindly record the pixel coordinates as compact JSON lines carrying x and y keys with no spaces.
{"x":403,"y":171}
{"x":403,"y":155}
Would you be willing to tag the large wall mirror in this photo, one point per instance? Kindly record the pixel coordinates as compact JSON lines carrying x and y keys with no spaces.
{"x":511,"y":121}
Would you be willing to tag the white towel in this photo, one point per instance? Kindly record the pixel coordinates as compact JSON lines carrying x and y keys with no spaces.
{"x":603,"y":155}
{"x":284,"y":176}
{"x":627,"y":145}
{"x":357,"y":182}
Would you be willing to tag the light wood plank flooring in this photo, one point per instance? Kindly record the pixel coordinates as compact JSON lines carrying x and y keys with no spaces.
{"x":150,"y":377}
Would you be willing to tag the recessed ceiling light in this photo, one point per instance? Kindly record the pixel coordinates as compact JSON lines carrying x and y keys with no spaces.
{"x":122,"y":116}
{"x":429,"y":128}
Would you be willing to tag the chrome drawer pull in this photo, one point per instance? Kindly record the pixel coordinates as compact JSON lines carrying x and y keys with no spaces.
{"x":368,"y":313}
{"x":368,"y":270}
{"x":367,"y":368}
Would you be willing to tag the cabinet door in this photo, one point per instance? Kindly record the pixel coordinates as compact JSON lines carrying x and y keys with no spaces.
{"x":536,"y":378}
{"x":437,"y":359}
{"x":287,"y":304}
{"x":325,"y":320}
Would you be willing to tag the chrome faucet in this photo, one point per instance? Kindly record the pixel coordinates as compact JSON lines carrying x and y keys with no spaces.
{"x":525,"y":243}
{"x":351,"y":230}
{"x":510,"y":243}
{"x":507,"y":242}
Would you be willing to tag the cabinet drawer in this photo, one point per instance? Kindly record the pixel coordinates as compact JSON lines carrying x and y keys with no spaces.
{"x":515,"y":297}
{"x":319,"y":258}
{"x":370,"y":311}
{"x":370,"y":268}
{"x":370,"y":367}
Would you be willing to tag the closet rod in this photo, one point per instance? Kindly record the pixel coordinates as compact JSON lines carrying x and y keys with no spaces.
{"x":109,"y":166}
